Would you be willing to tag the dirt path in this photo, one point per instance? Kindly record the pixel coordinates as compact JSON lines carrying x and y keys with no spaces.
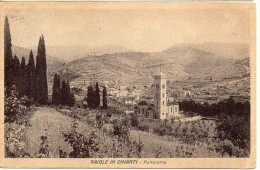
{"x":48,"y":121}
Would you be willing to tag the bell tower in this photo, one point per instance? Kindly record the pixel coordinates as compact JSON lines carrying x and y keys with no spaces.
{"x":160,"y":96}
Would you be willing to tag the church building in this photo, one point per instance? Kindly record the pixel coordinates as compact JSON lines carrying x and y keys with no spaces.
{"x":163,"y":107}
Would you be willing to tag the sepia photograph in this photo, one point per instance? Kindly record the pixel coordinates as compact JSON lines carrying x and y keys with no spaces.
{"x":149,"y":81}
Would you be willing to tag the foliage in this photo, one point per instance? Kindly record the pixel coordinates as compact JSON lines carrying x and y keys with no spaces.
{"x":90,"y":97}
{"x":56,"y":91}
{"x":96,"y":96}
{"x":143,"y":128}
{"x":161,"y":130}
{"x":134,"y":120}
{"x":121,"y":128}
{"x":14,"y":107}
{"x":104,"y":98}
{"x":29,"y":81}
{"x":66,"y":97}
{"x":83,"y":147}
{"x":30,"y":77}
{"x":41,"y":94}
{"x":93,"y":97}
{"x":235,"y":129}
{"x":14,"y":139}
{"x":228,"y":106}
{"x":44,"y":151}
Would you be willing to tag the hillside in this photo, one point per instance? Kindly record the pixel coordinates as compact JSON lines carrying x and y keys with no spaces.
{"x":52,"y":62}
{"x":180,"y":63}
{"x":70,"y":53}
{"x":189,"y":63}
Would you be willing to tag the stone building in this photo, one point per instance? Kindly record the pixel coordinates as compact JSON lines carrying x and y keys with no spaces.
{"x":163,"y":107}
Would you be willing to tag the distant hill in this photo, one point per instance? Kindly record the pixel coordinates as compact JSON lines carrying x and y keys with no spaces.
{"x":180,"y":62}
{"x":70,"y":53}
{"x":53,"y":63}
{"x":227,"y":50}
{"x":194,"y":64}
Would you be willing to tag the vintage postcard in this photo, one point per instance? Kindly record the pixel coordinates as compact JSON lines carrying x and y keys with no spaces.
{"x":127,"y":85}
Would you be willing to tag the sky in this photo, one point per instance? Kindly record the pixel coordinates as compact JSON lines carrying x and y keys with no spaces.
{"x":135,"y":29}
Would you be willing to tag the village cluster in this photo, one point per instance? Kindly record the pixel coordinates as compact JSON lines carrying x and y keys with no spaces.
{"x":155,"y":102}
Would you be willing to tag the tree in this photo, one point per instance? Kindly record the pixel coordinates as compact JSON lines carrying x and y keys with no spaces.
{"x":41,"y":73}
{"x":66,"y":97}
{"x":30,"y":77}
{"x":58,"y":86}
{"x":8,"y":58}
{"x":104,"y":98}
{"x":134,"y":120}
{"x":97,"y":96}
{"x":16,"y":73}
{"x":90,"y":97}
{"x":239,"y":108}
{"x":55,"y":90}
{"x":70,"y":96}
{"x":230,"y":106}
{"x":63,"y":93}
{"x":22,"y":75}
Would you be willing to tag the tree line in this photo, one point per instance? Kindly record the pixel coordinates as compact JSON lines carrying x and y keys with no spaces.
{"x":233,"y":119}
{"x":29,"y":79}
{"x":61,"y":92}
{"x":228,"y":107}
{"x":93,"y":97}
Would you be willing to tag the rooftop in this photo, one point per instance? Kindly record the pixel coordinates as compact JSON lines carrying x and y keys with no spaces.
{"x":160,"y":75}
{"x":172,"y":103}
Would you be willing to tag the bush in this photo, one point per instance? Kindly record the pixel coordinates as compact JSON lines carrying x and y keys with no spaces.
{"x":143,"y":128}
{"x":14,"y":107}
{"x":83,"y":147}
{"x":134,"y":120}
{"x":161,"y":130}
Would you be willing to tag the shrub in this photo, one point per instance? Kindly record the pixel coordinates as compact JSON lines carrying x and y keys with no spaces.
{"x":143,"y":128}
{"x":83,"y":147}
{"x":134,"y":120}
{"x":14,"y":107}
{"x":161,"y":130}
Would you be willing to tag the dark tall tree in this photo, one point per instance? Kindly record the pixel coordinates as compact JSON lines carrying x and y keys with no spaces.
{"x":63,"y":93}
{"x":16,"y":67}
{"x":70,"y":96}
{"x":30,"y":77}
{"x":66,"y":97}
{"x":97,"y":96}
{"x":58,"y":85}
{"x":8,"y":58}
{"x":104,"y":98}
{"x":41,"y":73}
{"x":22,"y":76}
{"x":55,"y":90}
{"x":90,"y":97}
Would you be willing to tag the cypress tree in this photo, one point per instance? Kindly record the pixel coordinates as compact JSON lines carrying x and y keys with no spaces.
{"x":41,"y":73}
{"x":54,"y":89}
{"x":58,"y":95}
{"x":63,"y":91}
{"x":97,"y":96}
{"x":90,"y":97}
{"x":23,"y":82}
{"x":30,"y":77}
{"x":104,"y":98}
{"x":16,"y":66}
{"x":70,"y":96}
{"x":8,"y":59}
